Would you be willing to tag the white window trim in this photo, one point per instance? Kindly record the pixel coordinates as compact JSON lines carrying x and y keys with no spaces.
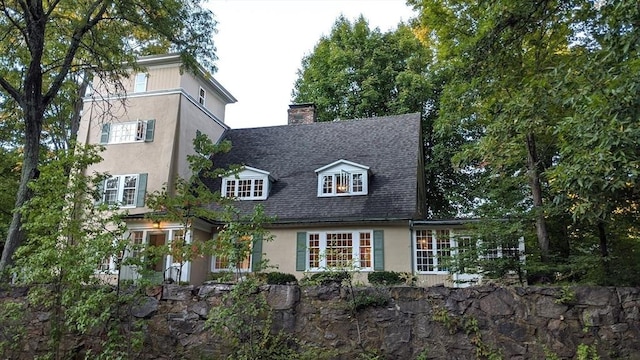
{"x":140,"y":82}
{"x":453,"y":243}
{"x":342,"y":168}
{"x":247,"y":173}
{"x":141,"y":131}
{"x":120,"y":190}
{"x":202,"y":96}
{"x":355,"y":250}
{"x":232,"y":267}
{"x":434,"y":251}
{"x":237,"y":184}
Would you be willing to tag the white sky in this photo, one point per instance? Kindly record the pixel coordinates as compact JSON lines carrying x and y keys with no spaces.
{"x":261,"y":44}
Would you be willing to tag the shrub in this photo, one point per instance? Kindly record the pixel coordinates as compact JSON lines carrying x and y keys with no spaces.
{"x":390,"y":278}
{"x":327,"y":277}
{"x":279,"y":278}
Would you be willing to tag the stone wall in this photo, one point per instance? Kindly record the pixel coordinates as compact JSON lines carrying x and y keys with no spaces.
{"x":439,"y":322}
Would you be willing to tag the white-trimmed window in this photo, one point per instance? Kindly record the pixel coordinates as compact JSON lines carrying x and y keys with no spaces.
{"x":340,"y":249}
{"x":127,"y":132}
{"x":202,"y":96}
{"x":248,"y":184}
{"x":432,"y":247}
{"x":342,"y":178}
{"x":140,"y":83}
{"x":223,"y":263}
{"x":125,"y":190}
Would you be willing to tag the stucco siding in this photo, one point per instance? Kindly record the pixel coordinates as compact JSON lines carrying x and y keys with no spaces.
{"x":281,"y":252}
{"x":192,"y":120}
{"x":191,"y":85}
{"x":153,"y":158}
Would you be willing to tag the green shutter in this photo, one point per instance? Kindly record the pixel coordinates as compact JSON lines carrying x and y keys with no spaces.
{"x":301,"y":251}
{"x":142,"y":189}
{"x":256,"y":253}
{"x":151,"y":127}
{"x":378,"y":250}
{"x":104,"y":137}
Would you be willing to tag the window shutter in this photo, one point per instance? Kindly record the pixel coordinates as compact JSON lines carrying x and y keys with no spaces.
{"x":378,"y":250}
{"x":142,"y":189}
{"x":301,"y":251}
{"x":104,"y":136}
{"x":151,"y":127}
{"x":256,"y":253}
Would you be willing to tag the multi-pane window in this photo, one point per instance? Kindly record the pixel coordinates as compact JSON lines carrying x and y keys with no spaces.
{"x":137,"y":242}
{"x":432,"y":247}
{"x":224,"y":263}
{"x":202,"y":96}
{"x":244,"y":189}
{"x":121,"y":190}
{"x":140,"y":84}
{"x":342,"y":183}
{"x":339,"y":249}
{"x":127,"y":132}
{"x":365,"y":250}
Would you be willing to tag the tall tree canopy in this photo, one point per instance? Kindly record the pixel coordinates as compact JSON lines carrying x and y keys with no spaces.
{"x":547,"y":93}
{"x":48,"y":45}
{"x":357,"y":72}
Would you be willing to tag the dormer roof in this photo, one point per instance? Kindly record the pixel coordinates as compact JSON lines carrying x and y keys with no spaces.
{"x":389,"y":147}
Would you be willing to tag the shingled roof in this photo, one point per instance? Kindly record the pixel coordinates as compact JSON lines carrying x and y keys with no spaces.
{"x":390,"y":146}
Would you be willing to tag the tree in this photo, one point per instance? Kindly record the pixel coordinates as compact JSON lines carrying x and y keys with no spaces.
{"x":358,"y":72}
{"x":503,"y":54}
{"x":46,"y":43}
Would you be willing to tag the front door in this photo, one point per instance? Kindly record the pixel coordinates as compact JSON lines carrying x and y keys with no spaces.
{"x":158,"y":263}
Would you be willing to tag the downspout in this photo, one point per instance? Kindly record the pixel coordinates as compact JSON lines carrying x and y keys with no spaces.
{"x":413,"y":268}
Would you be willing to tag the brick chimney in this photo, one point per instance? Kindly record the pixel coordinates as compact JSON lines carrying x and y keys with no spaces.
{"x":301,"y":114}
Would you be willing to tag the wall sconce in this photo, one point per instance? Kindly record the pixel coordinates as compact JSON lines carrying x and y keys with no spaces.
{"x":156,"y":225}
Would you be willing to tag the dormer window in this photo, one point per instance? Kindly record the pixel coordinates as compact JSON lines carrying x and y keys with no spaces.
{"x":247,"y":184}
{"x":342,"y":178}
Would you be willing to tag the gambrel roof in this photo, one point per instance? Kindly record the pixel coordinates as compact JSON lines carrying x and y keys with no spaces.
{"x":390,"y":146}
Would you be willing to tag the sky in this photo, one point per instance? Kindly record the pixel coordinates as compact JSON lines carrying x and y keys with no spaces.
{"x":260,"y":45}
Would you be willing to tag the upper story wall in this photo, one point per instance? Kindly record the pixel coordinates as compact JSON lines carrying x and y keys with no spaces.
{"x":167,"y":100}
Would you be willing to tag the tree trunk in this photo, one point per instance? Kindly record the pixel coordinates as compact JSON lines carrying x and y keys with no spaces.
{"x":15,"y":234}
{"x":33,"y":105}
{"x":536,"y":192}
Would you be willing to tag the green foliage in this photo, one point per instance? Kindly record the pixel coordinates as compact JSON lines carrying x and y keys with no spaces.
{"x":370,"y":297}
{"x":566,"y":296}
{"x":587,"y":352}
{"x":279,"y":278}
{"x":391,"y":278}
{"x":242,"y":323}
{"x":68,"y":238}
{"x":359,"y":72}
{"x":327,"y":277}
{"x":469,"y":326}
{"x":12,"y":328}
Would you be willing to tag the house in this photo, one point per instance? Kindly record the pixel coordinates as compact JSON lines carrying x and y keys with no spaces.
{"x":147,"y":130}
{"x":343,"y":194}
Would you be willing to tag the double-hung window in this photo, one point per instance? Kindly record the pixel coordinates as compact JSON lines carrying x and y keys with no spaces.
{"x":342,"y":178}
{"x":125,"y":190}
{"x":127,"y":132}
{"x":432,"y":248}
{"x":140,"y":83}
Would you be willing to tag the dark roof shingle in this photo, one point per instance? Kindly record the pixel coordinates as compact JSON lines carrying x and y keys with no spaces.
{"x":389,"y":146}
